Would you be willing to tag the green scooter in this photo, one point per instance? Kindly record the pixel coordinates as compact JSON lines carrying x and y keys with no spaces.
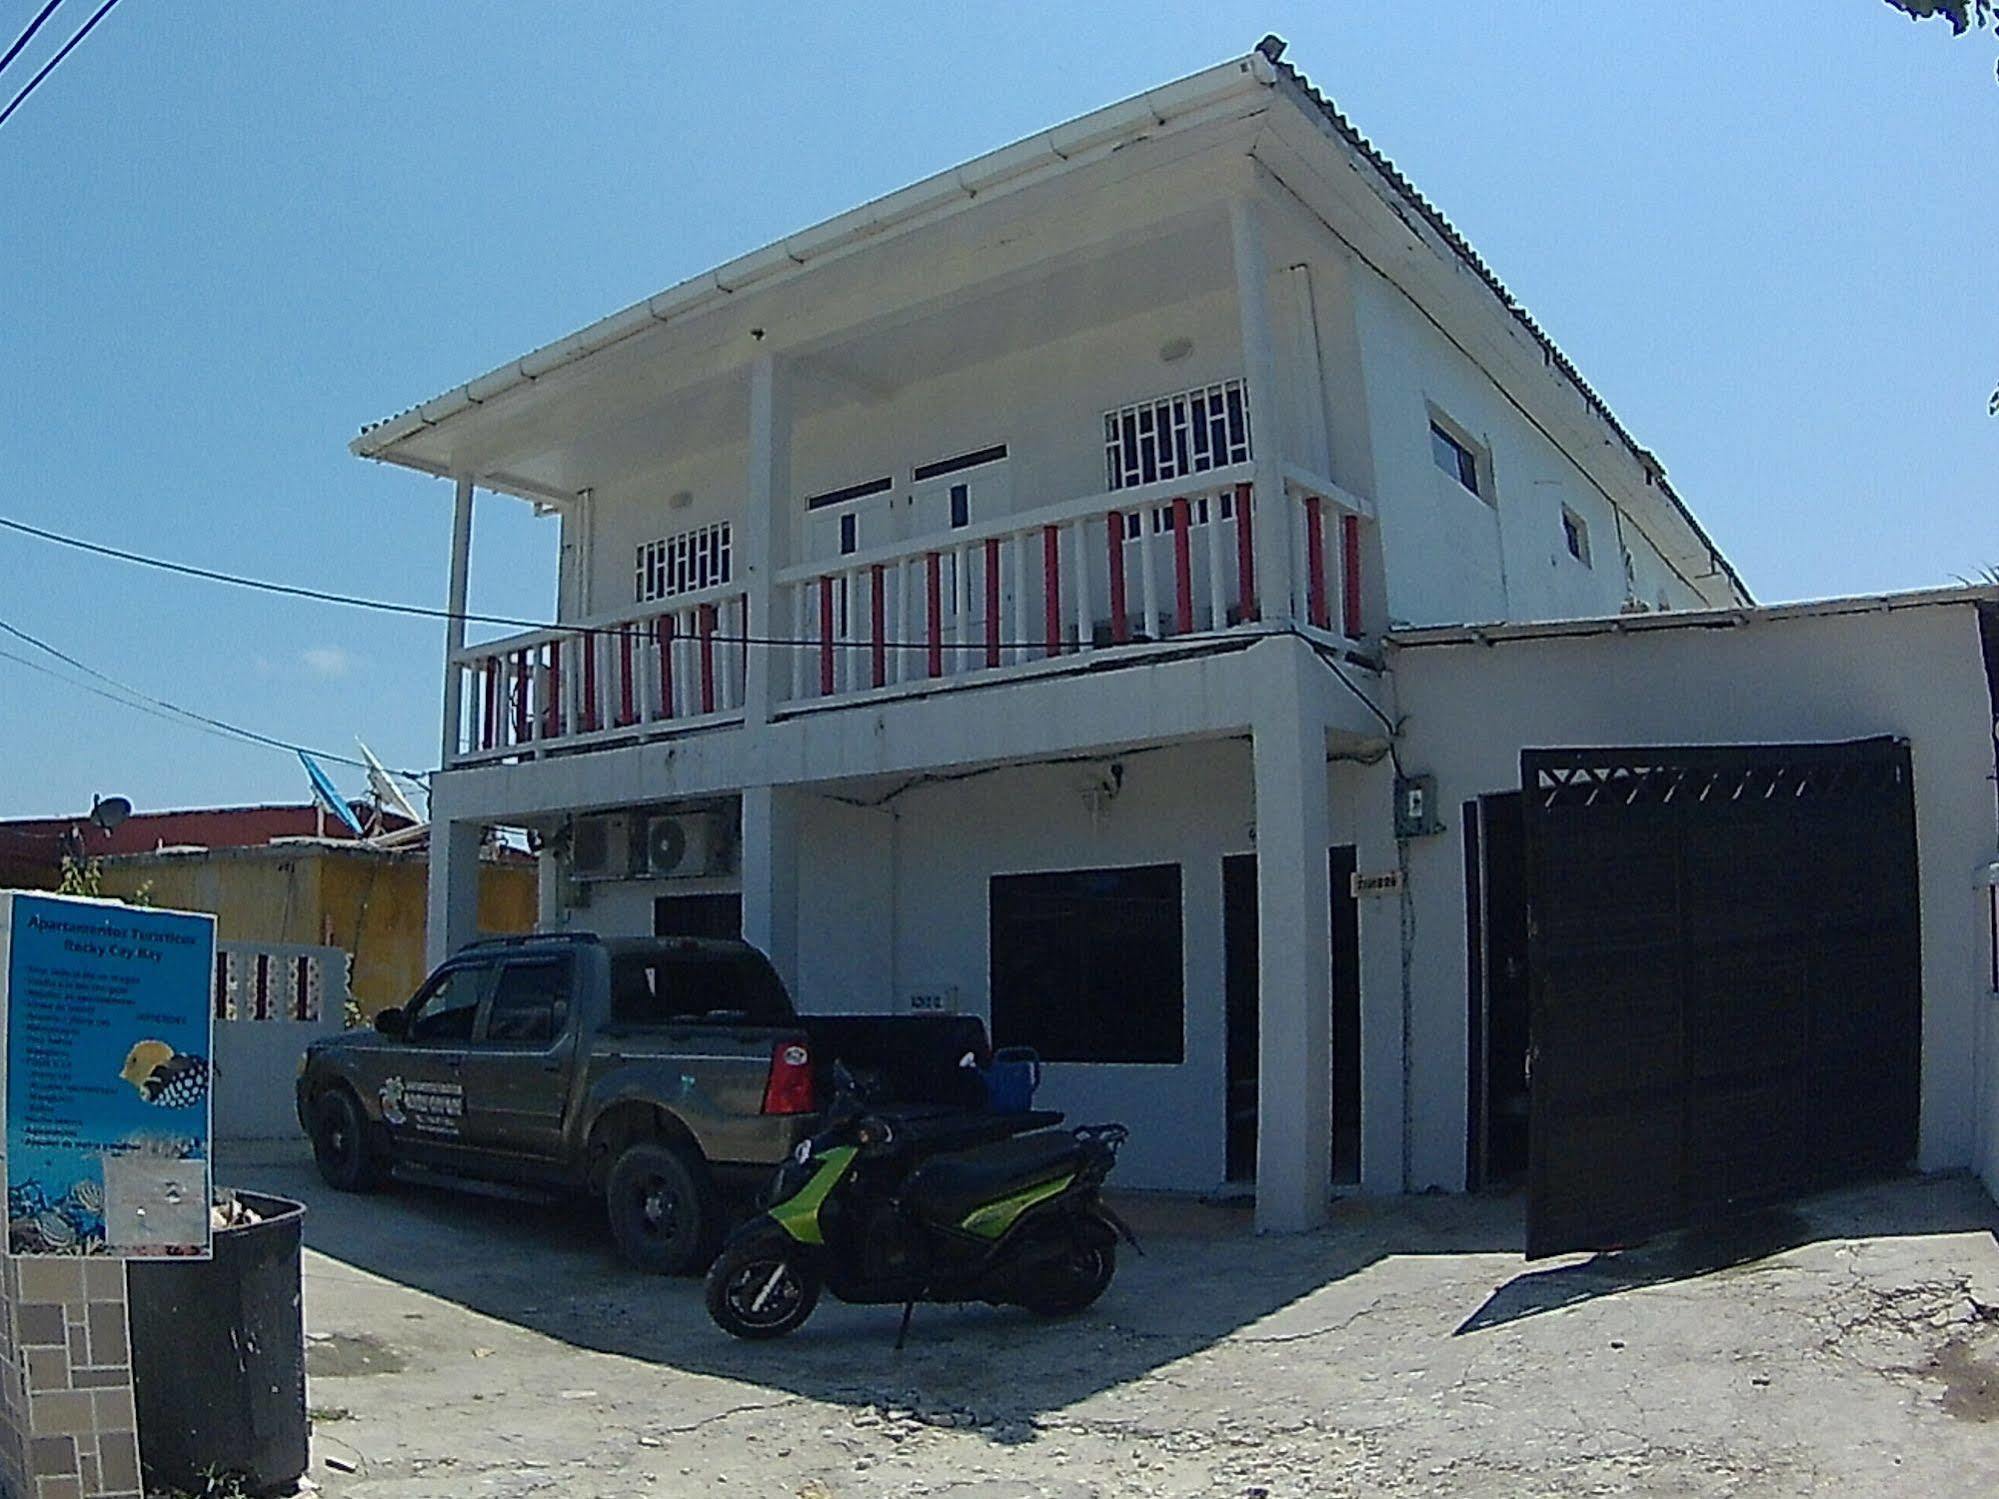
{"x":873,"y":1211}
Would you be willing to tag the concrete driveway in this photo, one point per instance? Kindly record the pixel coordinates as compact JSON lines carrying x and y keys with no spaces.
{"x":465,"y":1345}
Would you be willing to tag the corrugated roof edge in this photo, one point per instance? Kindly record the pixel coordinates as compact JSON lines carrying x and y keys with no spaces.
{"x":1691,"y":619}
{"x":968,"y":179}
{"x":1311,"y":97}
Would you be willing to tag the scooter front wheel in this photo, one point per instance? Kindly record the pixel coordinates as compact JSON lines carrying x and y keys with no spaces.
{"x":762,"y":1289}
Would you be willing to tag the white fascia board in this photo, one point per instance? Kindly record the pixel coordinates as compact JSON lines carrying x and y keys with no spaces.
{"x":1005,"y":169}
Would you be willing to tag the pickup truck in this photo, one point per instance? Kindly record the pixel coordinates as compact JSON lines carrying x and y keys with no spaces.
{"x":667,"y":1076}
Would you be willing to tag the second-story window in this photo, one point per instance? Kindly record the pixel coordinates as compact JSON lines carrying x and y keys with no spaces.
{"x":1456,"y":457}
{"x":683,"y":562}
{"x":1170,"y":437}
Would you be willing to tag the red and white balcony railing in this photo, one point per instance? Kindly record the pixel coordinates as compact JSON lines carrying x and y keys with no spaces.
{"x":1120,"y":571}
{"x":666,"y":665}
{"x":1146,"y":565}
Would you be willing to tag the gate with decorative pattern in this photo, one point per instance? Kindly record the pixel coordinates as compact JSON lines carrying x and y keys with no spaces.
{"x":1725,"y":980}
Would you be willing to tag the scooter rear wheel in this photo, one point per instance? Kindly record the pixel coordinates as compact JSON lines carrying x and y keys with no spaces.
{"x":1074,"y":1282}
{"x":762,"y":1290}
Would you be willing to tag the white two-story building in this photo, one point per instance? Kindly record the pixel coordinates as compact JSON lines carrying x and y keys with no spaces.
{"x":990,"y":599}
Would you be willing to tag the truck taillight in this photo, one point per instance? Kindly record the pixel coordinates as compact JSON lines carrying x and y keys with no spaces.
{"x":789,"y":1090}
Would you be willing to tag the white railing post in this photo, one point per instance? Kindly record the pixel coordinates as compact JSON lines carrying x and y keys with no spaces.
{"x":454,"y":626}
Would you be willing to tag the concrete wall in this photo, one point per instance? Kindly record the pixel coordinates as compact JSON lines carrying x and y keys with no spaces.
{"x":1455,"y":557}
{"x":369,"y":903}
{"x":1471,"y":709}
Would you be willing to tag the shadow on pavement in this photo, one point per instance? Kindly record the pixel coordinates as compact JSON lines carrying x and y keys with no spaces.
{"x":1908,"y":1205}
{"x":550,"y":1268}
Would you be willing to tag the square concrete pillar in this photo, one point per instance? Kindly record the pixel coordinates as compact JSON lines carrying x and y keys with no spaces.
{"x":67,"y":1425}
{"x":770,"y":876}
{"x":452,"y":915}
{"x":1294,"y":1138}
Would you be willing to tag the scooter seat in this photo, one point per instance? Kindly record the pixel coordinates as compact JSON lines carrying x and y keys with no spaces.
{"x":946,"y":1188}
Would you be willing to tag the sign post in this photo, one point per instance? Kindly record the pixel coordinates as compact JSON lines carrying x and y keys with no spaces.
{"x":106,"y":1024}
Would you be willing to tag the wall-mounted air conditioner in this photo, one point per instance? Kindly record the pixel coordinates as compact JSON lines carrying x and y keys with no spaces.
{"x":684,"y":845}
{"x":601,"y":848}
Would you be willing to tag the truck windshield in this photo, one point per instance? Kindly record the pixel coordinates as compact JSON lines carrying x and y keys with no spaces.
{"x":656,"y":988}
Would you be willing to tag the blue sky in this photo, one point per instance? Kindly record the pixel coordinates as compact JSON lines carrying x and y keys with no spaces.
{"x":231,"y":233}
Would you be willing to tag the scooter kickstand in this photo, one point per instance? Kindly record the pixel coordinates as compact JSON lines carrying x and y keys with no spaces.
{"x":902,"y":1333}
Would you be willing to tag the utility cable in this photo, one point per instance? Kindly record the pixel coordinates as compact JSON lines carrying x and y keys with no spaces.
{"x":426,"y":611}
{"x":27,"y":36}
{"x":158,"y":707}
{"x":50,"y":66}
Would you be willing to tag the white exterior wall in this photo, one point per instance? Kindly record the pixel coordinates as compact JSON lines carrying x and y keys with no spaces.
{"x":1451,"y":557}
{"x":1915,"y":673}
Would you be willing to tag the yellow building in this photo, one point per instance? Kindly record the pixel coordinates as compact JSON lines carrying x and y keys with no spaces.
{"x":369,"y":901}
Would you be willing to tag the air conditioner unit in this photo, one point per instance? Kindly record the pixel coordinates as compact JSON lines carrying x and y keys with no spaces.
{"x":601,"y":848}
{"x":684,"y":846}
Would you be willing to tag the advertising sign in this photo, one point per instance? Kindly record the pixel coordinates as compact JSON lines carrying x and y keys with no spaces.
{"x":107,"y":1014}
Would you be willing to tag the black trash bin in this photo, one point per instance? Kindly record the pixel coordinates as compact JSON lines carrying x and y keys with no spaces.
{"x":218,"y":1357}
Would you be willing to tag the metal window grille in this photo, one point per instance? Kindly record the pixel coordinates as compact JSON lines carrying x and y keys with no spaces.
{"x":683,"y":563}
{"x":1173,"y":436}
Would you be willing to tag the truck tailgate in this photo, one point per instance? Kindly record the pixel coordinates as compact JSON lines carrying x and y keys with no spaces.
{"x":911,"y":1058}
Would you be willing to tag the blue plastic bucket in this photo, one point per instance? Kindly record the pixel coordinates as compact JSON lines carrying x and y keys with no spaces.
{"x":1011,"y":1079}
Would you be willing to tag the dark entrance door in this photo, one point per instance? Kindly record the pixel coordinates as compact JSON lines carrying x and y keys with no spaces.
{"x":1725,"y":980}
{"x":1241,"y":973}
{"x":698,"y":915}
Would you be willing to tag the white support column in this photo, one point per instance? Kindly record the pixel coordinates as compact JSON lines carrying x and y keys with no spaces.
{"x":1274,"y":567}
{"x":770,"y":876}
{"x":454,"y":628}
{"x":1384,"y":1013}
{"x":761,"y":544}
{"x":1294,"y":1137}
{"x":452,"y":914}
{"x":549,"y":915}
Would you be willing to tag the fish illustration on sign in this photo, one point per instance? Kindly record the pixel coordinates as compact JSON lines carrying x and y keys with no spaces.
{"x":165,"y":1077}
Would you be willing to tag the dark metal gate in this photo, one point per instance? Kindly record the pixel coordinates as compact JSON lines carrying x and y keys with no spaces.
{"x":1724,"y":967}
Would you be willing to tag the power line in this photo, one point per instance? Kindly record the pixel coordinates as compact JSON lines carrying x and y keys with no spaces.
{"x":158,"y":707}
{"x":425,"y":611}
{"x":50,"y":66}
{"x":27,"y":36}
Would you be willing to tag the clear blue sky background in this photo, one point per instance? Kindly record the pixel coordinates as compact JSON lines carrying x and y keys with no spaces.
{"x":231,"y":233}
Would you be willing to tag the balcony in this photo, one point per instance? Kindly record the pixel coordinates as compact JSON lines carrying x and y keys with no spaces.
{"x":1111,"y":578}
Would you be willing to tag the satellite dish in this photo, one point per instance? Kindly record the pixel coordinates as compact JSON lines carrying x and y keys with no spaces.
{"x":109,"y":812}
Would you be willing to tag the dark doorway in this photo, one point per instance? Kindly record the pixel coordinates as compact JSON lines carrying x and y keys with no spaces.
{"x":1724,"y":961}
{"x":698,"y":915}
{"x":1496,"y":962}
{"x":1241,"y":970}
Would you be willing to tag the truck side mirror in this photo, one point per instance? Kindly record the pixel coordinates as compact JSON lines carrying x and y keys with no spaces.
{"x":394,"y":1021}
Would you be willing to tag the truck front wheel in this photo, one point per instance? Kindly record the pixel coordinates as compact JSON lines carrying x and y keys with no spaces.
{"x":664,"y":1214}
{"x":340,"y":1143}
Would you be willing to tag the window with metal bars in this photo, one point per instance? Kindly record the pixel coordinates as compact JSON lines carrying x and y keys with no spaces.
{"x":684,"y":562}
{"x":1173,"y":436}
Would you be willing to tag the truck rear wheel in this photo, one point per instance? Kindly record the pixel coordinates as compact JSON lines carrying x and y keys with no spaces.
{"x":664,"y":1213}
{"x":340,"y":1143}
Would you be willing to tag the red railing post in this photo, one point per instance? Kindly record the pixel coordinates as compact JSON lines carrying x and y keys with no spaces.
{"x":1315,"y":566}
{"x":992,"y":601}
{"x":553,"y":726}
{"x":1183,"y":565}
{"x":1245,"y":557}
{"x":1051,"y":588}
{"x":489,"y":725}
{"x":705,"y":621}
{"x":662,"y":629}
{"x":933,"y":610}
{"x":588,"y":641}
{"x":1350,"y":575}
{"x":826,"y":636}
{"x":878,"y":619}
{"x":626,"y":715}
{"x":1120,"y":620}
{"x":521,"y":668}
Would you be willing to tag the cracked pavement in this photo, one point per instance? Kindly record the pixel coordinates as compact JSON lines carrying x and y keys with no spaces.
{"x":469,"y":1345}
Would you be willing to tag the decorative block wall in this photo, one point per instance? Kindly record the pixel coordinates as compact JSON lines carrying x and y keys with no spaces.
{"x":67,"y":1425}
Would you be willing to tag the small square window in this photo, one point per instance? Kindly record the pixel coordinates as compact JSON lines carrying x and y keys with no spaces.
{"x":849,"y":533}
{"x":1575,"y":532}
{"x":1455,"y":458}
{"x":961,"y":506}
